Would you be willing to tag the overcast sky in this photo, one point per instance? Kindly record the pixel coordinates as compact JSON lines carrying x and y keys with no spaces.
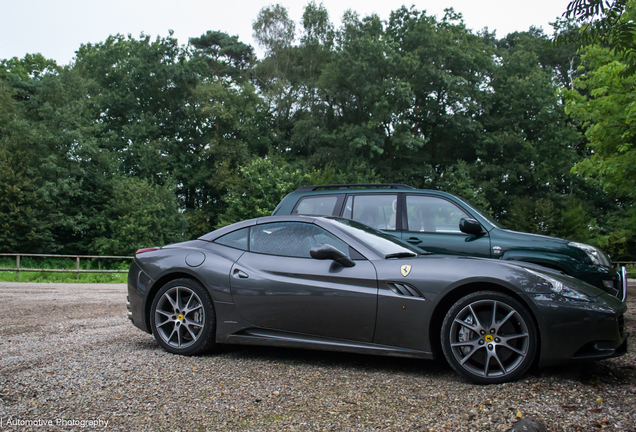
{"x":57,"y":28}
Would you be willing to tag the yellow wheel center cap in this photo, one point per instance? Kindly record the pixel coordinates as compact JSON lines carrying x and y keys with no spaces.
{"x":180,"y":318}
{"x":488,"y":338}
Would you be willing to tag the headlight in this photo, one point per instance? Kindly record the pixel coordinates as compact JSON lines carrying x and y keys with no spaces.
{"x":593,"y":253}
{"x":558,"y":287}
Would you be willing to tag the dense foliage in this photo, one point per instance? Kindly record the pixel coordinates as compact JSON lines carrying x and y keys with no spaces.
{"x":141,"y":142}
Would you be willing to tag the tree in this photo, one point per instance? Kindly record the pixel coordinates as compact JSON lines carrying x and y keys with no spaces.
{"x":609,"y":23}
{"x":24,"y":225}
{"x":275,"y":75}
{"x":185,"y":114}
{"x":264,"y":182}
{"x":404,"y":95}
{"x":141,"y":87}
{"x":363,"y":112}
{"x":603,"y":101}
{"x":225,"y":126}
{"x":52,"y":162}
{"x":274,"y":30}
{"x":140,"y":214}
{"x":529,"y":143}
{"x":415,"y":99}
{"x":447,"y":67}
{"x":316,"y":43}
{"x":224,"y":54}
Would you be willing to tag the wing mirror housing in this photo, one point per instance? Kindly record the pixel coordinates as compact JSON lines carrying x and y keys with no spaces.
{"x":470,"y":226}
{"x":325,"y":251}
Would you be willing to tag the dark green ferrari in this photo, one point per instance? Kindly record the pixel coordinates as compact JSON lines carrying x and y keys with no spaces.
{"x":335,"y":284}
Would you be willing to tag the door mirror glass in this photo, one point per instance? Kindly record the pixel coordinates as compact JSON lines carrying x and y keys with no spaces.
{"x":470,"y":226}
{"x":325,"y":251}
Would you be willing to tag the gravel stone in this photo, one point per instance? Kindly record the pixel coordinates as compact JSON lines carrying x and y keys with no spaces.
{"x":68,"y":353}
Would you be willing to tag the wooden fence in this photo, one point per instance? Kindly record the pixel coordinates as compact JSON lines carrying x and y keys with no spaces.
{"x":619,"y":264}
{"x":17,"y":269}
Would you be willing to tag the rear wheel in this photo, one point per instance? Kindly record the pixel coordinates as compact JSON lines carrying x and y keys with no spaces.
{"x":489,"y":337}
{"x":182,"y":318}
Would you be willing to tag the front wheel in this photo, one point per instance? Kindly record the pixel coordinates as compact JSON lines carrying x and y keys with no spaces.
{"x":182,"y":318}
{"x":489,"y":337}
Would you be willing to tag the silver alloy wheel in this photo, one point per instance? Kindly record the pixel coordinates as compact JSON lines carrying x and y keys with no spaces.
{"x":489,"y":338}
{"x":179,"y":317}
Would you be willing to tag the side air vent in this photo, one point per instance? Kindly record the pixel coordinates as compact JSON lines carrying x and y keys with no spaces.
{"x":621,"y":325}
{"x":404,"y":289}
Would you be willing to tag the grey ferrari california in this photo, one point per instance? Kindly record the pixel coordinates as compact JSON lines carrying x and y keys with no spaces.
{"x":335,"y":284}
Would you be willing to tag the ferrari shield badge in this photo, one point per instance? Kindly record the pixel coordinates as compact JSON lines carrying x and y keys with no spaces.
{"x":406,"y":269}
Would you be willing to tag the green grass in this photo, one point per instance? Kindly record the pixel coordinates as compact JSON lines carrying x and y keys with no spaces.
{"x":92,"y":264}
{"x":64,"y":263}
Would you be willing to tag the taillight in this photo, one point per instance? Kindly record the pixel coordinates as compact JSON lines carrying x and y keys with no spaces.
{"x":140,"y":251}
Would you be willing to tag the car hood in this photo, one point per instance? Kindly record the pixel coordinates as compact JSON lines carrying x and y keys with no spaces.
{"x":549,"y":242}
{"x":512,"y":271}
{"x":510,"y":240}
{"x":570,"y":281}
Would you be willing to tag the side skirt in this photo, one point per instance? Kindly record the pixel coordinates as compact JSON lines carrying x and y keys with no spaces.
{"x":256,"y":336}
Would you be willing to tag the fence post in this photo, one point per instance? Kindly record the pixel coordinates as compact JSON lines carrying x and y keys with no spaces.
{"x":78,"y":266}
{"x":17,"y":266}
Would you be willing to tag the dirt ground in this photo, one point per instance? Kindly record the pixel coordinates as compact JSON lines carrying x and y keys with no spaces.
{"x":71,"y":360}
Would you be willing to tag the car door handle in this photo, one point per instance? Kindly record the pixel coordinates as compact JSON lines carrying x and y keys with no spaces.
{"x":240,"y":274}
{"x":414,"y":240}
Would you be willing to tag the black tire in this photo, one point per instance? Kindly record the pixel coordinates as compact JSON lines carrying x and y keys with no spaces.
{"x":484,"y":350}
{"x":182,"y":318}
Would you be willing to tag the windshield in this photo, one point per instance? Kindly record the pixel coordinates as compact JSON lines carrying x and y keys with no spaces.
{"x":482,"y":212}
{"x":384,"y":244}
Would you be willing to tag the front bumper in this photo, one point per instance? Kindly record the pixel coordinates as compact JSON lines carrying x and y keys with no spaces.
{"x":577,"y":330}
{"x":622,"y":295}
{"x":609,"y":279}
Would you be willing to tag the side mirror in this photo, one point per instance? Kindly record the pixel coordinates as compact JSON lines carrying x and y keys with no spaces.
{"x":325,"y":251}
{"x":470,"y":226}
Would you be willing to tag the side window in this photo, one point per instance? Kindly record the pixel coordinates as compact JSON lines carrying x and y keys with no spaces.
{"x":292,"y":239}
{"x":320,"y":205}
{"x":432,"y":214}
{"x":236,"y":239}
{"x":377,"y":211}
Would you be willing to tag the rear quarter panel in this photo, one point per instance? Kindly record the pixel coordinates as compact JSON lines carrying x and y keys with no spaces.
{"x":169,"y":263}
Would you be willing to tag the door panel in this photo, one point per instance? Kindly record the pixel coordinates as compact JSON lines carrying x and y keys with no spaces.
{"x":304,"y":295}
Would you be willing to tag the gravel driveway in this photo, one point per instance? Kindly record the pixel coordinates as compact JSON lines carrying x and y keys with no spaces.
{"x":71,"y":360}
